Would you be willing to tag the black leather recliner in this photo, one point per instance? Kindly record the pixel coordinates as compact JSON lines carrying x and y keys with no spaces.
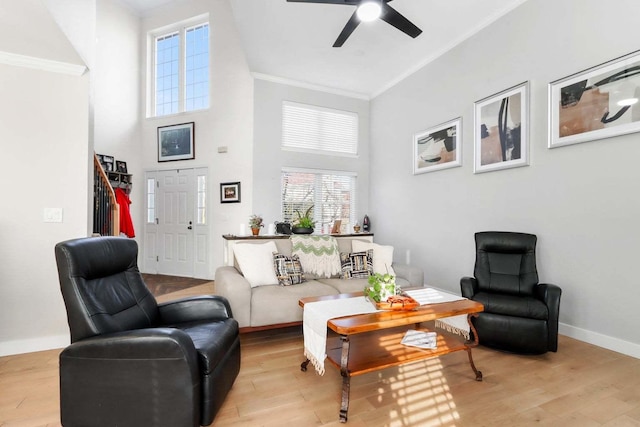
{"x":133,"y":362}
{"x":520,"y":314}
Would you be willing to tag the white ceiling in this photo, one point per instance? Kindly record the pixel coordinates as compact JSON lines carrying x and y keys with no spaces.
{"x":293,"y":41}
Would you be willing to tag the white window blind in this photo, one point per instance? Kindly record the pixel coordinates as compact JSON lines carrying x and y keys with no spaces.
{"x":311,"y":128}
{"x":331,"y":194}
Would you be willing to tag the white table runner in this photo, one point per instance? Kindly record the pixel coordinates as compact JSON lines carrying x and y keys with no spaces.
{"x":314,"y":324}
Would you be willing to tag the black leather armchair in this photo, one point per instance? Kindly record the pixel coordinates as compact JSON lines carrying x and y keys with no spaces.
{"x":133,"y":362}
{"x":520,"y":314}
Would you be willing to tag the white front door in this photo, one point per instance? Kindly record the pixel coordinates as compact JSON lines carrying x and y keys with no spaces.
{"x":175,"y":218}
{"x":176,"y":237}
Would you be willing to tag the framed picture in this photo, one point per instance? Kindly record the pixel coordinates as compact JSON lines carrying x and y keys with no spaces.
{"x":597,"y":103}
{"x":176,"y":142}
{"x":230,"y":192}
{"x":121,"y":166}
{"x":106,"y":161}
{"x":501,"y":130}
{"x":438,"y":148}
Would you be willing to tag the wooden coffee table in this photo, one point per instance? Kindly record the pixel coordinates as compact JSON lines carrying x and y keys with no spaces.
{"x":359,"y":348}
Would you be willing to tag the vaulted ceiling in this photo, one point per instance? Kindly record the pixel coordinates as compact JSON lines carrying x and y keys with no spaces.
{"x":293,"y":41}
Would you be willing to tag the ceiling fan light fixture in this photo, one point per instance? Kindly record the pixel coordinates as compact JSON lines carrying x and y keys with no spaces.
{"x":369,"y":11}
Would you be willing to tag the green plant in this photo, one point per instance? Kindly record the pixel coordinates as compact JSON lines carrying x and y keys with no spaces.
{"x":255,"y":221}
{"x":306,"y":220}
{"x":381,"y":286}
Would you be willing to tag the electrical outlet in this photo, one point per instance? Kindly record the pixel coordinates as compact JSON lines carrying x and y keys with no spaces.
{"x":52,"y":214}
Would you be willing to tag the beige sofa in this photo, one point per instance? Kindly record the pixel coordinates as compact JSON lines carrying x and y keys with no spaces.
{"x":273,"y":305}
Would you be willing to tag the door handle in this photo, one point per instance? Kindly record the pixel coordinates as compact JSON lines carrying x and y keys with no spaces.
{"x":190,"y":227}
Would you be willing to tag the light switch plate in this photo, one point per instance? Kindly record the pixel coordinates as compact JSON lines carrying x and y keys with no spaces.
{"x":52,"y":214}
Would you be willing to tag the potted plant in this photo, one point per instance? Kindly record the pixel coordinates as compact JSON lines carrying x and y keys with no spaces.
{"x":255,"y":222}
{"x":381,"y":287}
{"x":305,"y":223}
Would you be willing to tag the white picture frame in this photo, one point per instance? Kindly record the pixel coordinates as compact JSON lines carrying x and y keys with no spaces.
{"x":501,"y":130}
{"x":438,"y":148}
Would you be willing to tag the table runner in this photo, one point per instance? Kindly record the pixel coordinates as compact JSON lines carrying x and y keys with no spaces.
{"x":314,"y":324}
{"x":316,"y":314}
{"x":455,"y":324}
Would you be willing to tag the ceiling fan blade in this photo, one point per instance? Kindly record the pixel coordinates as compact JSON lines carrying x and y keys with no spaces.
{"x":393,"y":17}
{"x":347,"y":2}
{"x":347,"y":30}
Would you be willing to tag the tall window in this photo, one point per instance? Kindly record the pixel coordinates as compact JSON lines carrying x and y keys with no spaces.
{"x":151,"y":200}
{"x":330,"y":195}
{"x":201,"y":205}
{"x":317,"y":129}
{"x":181,"y":69}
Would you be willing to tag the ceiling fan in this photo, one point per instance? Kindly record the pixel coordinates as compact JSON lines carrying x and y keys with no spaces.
{"x":368,"y":10}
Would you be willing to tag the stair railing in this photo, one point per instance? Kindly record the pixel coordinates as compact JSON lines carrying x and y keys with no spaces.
{"x":106,"y":211}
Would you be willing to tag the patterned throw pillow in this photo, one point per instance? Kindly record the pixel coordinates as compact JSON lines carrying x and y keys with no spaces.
{"x":288,"y":269}
{"x":357,"y":265}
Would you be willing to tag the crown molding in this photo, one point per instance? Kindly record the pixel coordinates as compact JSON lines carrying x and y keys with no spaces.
{"x":304,"y":85}
{"x":41,"y":64}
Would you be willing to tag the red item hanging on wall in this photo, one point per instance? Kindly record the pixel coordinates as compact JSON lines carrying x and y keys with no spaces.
{"x":126,"y":225}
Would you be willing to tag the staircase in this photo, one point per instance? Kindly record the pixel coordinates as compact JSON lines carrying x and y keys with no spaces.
{"x":106,"y":211}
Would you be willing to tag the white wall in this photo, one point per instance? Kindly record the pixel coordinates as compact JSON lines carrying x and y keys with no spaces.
{"x":269,"y":158}
{"x":45,"y":164}
{"x":582,"y":201}
{"x":227,"y":123}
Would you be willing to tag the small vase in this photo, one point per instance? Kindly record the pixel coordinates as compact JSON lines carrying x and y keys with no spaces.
{"x":255,"y":231}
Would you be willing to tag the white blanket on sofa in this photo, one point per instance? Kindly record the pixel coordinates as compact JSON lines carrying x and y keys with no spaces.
{"x":319,"y":255}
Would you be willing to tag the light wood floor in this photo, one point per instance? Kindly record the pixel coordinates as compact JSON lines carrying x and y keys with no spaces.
{"x":581,"y":385}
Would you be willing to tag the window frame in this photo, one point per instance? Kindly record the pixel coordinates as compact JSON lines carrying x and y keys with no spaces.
{"x":318,"y":194}
{"x":181,"y":29}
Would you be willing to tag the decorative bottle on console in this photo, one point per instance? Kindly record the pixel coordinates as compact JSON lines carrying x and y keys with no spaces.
{"x":366,"y":224}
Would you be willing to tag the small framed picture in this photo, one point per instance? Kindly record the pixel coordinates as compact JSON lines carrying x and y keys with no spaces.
{"x":501,"y":130}
{"x":121,"y":166}
{"x":107,"y":162}
{"x":176,"y":142}
{"x":437,"y":148}
{"x":230,"y":192}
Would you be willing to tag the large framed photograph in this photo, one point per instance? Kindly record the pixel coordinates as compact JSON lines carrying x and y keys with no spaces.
{"x":597,"y":103}
{"x":230,"y":192}
{"x":501,"y":130}
{"x":438,"y":148}
{"x":176,"y":142}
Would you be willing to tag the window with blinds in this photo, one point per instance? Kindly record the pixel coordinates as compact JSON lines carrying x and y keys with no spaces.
{"x":330,"y":195}
{"x":317,"y":129}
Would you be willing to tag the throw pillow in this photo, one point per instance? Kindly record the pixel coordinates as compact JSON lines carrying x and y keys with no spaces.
{"x":382,"y":255}
{"x":357,"y":265}
{"x":256,"y":262}
{"x":288,"y":269}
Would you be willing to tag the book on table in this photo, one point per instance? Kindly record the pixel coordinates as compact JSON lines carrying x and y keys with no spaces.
{"x":420,"y":339}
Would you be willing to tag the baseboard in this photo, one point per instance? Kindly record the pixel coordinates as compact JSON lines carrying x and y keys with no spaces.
{"x":595,"y":338}
{"x":601,"y":340}
{"x":9,"y":348}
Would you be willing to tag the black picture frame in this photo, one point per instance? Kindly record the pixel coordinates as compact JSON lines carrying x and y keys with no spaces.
{"x":176,"y":142}
{"x":121,"y":166}
{"x":230,"y":192}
